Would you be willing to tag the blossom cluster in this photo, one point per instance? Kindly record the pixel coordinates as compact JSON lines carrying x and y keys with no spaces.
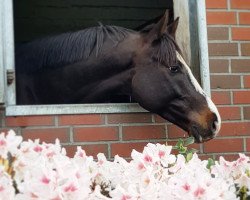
{"x":30,"y":170}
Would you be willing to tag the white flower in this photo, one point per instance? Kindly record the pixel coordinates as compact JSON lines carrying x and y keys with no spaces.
{"x":7,"y":191}
{"x":43,"y":171}
{"x":180,"y":163}
{"x":9,"y":143}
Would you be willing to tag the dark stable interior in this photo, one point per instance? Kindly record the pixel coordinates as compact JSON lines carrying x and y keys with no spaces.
{"x":40,"y":18}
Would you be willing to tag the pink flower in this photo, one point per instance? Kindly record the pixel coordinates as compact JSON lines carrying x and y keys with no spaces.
{"x":125,"y":197}
{"x":161,"y":154}
{"x":70,"y":188}
{"x":148,"y":158}
{"x":186,"y":187}
{"x":199,"y":192}
{"x":141,"y":166}
{"x":45,"y":180}
{"x":37,"y":148}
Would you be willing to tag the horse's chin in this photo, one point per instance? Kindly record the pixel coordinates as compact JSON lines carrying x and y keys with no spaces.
{"x":199,"y":136}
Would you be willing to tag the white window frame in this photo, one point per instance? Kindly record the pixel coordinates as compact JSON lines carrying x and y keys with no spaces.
{"x":181,"y":9}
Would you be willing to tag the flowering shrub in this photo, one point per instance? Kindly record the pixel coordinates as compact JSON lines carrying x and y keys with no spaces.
{"x":30,"y":170}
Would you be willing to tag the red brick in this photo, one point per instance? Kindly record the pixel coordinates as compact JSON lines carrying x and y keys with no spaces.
{"x":216,"y":4}
{"x":125,"y":149}
{"x":221,"y":17}
{"x":159,"y":119}
{"x":218,"y":33}
{"x":239,"y":33}
{"x":235,"y":129}
{"x":244,"y":18}
{"x":94,"y":149}
{"x":248,"y":144}
{"x":229,"y":113}
{"x":171,"y":142}
{"x":129,"y":118}
{"x":87,"y":134}
{"x":48,"y":135}
{"x":91,"y":150}
{"x":240,"y":4}
{"x":70,"y":149}
{"x":194,"y":146}
{"x":221,"y":97}
{"x":228,"y":157}
{"x":247,"y":81}
{"x":225,"y":81}
{"x":241,"y":65}
{"x":223,"y":49}
{"x":245,"y":49}
{"x":246,"y":111}
{"x":143,"y":132}
{"x":205,"y":156}
{"x":241,"y":97}
{"x":223,"y":145}
{"x":5,"y":130}
{"x":24,"y":121}
{"x":176,"y":132}
{"x":80,"y":119}
{"x":218,"y":66}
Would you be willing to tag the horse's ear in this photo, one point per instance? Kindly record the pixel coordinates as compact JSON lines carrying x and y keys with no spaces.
{"x":159,"y":28}
{"x":171,"y":29}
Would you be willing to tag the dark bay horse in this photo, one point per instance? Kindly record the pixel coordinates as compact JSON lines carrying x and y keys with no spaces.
{"x":91,"y":65}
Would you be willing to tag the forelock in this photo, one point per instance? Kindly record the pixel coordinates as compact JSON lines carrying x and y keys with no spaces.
{"x":165,"y":50}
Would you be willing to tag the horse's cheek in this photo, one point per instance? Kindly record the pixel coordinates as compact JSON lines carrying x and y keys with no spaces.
{"x":145,"y":92}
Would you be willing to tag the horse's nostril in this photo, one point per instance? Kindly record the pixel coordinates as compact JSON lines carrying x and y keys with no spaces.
{"x":214,"y":126}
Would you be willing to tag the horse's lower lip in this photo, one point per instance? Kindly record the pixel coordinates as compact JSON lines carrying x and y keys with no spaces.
{"x":195,"y":133}
{"x":198,"y":136}
{"x":207,"y":139}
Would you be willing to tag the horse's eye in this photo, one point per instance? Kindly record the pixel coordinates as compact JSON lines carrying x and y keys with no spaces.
{"x":174,"y":68}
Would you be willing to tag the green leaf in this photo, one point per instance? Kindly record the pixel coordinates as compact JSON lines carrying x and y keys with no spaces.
{"x":194,"y":150}
{"x":182,"y":152}
{"x":189,"y":141}
{"x":181,"y":146}
{"x":210,"y":163}
{"x":189,"y":156}
{"x":248,"y":173}
{"x":191,"y":151}
{"x":179,"y":143}
{"x":243,"y":193}
{"x":182,"y":149}
{"x":174,"y":147}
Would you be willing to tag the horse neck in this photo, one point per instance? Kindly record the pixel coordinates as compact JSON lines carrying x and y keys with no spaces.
{"x":114,"y":58}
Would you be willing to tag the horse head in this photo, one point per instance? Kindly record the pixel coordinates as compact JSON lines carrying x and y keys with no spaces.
{"x":164,"y":84}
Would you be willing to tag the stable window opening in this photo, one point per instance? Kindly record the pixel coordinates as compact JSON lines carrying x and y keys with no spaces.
{"x":38,"y":19}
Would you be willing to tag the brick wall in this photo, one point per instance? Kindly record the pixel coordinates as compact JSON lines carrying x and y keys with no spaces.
{"x":229,"y":49}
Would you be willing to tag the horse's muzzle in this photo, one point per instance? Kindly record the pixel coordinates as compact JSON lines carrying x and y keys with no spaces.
{"x":202,"y":134}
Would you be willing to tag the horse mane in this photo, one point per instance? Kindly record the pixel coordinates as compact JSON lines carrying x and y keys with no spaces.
{"x":166,"y":48}
{"x":66,"y":48}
